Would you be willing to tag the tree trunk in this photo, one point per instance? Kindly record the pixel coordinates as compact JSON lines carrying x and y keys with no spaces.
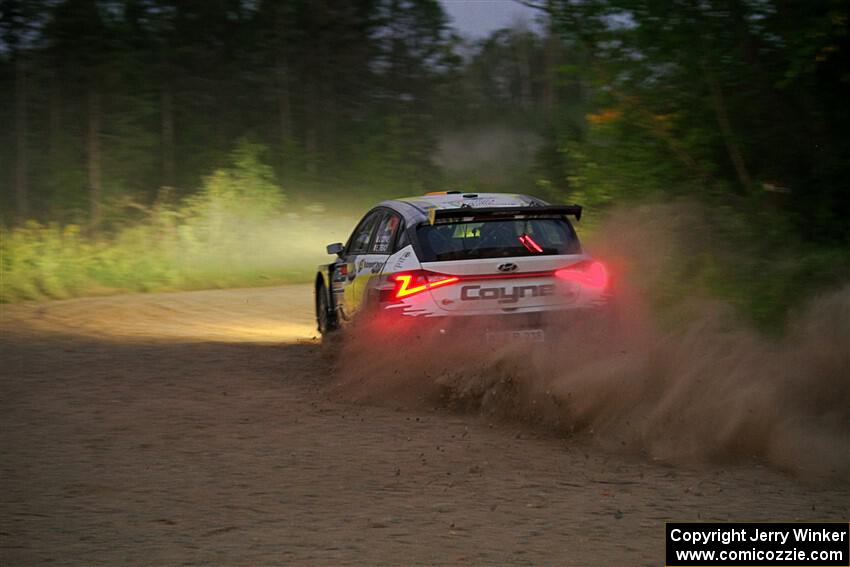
{"x":55,"y":118}
{"x":550,"y":87}
{"x":284,"y":120}
{"x":285,"y":112}
{"x":21,"y":165}
{"x":283,"y":81}
{"x":327,"y":143}
{"x":719,"y":106}
{"x":524,"y":72}
{"x":167,"y":141}
{"x":311,"y":143}
{"x":325,"y":90}
{"x":94,"y":158}
{"x":313,"y":125}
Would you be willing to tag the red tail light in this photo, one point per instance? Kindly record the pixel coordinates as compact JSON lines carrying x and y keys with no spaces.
{"x":530,"y":244}
{"x":411,"y":283}
{"x":588,"y":273}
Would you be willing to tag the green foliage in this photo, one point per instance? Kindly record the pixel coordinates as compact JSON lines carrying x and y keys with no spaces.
{"x":235,"y":231}
{"x":43,"y":261}
{"x":766,"y":287}
{"x":246,"y":190}
{"x":718,"y":98}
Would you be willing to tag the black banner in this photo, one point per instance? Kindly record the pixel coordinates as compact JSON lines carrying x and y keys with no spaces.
{"x":758,"y":544}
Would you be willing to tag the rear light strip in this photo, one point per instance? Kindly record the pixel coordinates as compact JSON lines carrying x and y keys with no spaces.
{"x":588,"y":273}
{"x":510,"y":275}
{"x":405,"y":288}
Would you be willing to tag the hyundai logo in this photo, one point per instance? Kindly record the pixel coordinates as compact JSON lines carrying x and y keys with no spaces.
{"x":507,"y":267}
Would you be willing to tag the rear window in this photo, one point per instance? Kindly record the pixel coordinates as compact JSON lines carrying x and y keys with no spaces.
{"x":496,"y":239}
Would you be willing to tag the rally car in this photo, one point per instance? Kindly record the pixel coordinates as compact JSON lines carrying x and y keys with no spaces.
{"x":505,"y":261}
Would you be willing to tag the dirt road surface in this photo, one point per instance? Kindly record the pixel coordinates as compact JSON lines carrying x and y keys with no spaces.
{"x":196,"y":428}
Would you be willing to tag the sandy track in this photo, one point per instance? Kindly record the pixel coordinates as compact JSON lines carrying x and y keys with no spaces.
{"x":194,"y":428}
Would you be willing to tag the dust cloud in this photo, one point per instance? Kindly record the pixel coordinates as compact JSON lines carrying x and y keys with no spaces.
{"x":699,"y":387}
{"x":486,"y":154}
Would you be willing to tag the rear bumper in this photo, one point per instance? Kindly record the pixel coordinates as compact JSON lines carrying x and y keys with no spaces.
{"x":554,"y":322}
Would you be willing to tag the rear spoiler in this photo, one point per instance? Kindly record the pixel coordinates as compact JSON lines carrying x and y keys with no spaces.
{"x":495,"y":212}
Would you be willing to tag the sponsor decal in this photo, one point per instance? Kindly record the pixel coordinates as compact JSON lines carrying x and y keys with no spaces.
{"x":479,"y":202}
{"x":399,"y":263}
{"x":505,"y":295}
{"x":373,"y":266}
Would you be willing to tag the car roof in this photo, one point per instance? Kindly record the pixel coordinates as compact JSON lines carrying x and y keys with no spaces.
{"x":415,"y":209}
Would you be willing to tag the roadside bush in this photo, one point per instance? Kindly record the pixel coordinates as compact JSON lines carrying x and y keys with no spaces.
{"x":236,"y":231}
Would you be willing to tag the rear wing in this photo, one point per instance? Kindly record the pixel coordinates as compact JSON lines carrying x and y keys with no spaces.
{"x":497,"y":212}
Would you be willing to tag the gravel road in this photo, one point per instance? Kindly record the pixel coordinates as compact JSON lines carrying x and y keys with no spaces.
{"x":198,"y":428}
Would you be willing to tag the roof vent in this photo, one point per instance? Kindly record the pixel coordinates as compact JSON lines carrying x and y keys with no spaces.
{"x":469,"y":195}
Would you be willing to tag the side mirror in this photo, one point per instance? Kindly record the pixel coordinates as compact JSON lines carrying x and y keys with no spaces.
{"x":335,"y":248}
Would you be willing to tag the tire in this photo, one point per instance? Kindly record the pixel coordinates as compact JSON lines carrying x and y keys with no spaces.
{"x":325,"y":318}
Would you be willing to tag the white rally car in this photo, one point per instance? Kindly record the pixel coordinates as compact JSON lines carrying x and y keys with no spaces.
{"x":511,"y":263}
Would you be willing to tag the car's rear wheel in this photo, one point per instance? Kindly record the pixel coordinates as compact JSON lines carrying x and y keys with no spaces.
{"x":325,"y":318}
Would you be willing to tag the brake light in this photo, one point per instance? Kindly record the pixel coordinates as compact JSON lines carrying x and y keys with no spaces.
{"x":411,"y":283}
{"x":588,"y":273}
{"x":530,"y":244}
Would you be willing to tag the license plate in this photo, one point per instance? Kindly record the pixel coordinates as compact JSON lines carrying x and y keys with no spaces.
{"x":522,"y":336}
